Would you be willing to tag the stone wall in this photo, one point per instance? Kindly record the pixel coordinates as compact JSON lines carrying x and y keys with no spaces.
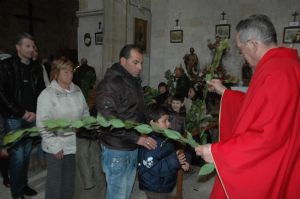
{"x":55,"y":31}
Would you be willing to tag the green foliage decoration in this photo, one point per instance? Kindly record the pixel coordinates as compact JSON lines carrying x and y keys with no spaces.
{"x":170,"y":81}
{"x":99,"y":122}
{"x":150,"y":94}
{"x":206,"y":169}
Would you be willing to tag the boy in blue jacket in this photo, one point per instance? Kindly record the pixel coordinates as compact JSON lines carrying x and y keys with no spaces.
{"x":157,"y":169}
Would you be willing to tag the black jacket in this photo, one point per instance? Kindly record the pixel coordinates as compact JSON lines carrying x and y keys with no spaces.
{"x":157,"y":169}
{"x":120,"y":94}
{"x":183,"y":84}
{"x":85,"y":78}
{"x":11,"y":85}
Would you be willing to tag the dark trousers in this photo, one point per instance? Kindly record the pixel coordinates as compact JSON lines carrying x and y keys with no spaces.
{"x":4,"y":162}
{"x":60,"y":177}
{"x":4,"y":165}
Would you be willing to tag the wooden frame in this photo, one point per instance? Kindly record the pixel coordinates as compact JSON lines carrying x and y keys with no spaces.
{"x":140,"y":33}
{"x":98,"y":38}
{"x":176,"y":36}
{"x":289,"y":34}
{"x":223,"y":30}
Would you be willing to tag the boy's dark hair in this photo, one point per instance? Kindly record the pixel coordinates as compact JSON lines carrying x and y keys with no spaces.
{"x":126,"y":50}
{"x":154,"y":112}
{"x":161,"y":84}
{"x":178,"y":97}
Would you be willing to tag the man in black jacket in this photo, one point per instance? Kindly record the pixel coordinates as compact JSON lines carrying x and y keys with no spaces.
{"x":21,"y":81}
{"x":120,"y":94}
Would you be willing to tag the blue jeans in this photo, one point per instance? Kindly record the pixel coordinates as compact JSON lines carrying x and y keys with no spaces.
{"x":19,"y":156}
{"x":120,"y":170}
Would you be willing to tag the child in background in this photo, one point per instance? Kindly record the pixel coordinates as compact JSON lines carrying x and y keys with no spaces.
{"x":194,"y":94}
{"x":157,"y":169}
{"x":177,"y":114}
{"x":162,"y":98}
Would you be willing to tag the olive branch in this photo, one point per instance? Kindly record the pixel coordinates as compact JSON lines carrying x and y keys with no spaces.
{"x":98,"y":123}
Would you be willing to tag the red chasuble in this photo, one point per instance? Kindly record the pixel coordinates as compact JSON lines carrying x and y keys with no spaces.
{"x":258,"y":155}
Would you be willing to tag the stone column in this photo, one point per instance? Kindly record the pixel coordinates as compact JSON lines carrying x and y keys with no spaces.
{"x":90,"y":14}
{"x":117,"y":17}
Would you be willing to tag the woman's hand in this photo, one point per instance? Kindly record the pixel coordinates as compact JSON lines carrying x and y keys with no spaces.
{"x":59,"y":155}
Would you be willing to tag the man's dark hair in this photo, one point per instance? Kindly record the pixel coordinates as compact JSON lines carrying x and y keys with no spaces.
{"x":154,"y":112}
{"x":22,"y":36}
{"x":125,"y":51}
{"x":178,"y":97}
{"x":259,"y":27}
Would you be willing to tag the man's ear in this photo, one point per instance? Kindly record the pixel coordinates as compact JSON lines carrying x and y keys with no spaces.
{"x":123,"y":61}
{"x":17,"y":47}
{"x":254,"y":44}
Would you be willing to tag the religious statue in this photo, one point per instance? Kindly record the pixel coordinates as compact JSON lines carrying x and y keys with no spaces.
{"x":218,"y":48}
{"x":191,"y":64}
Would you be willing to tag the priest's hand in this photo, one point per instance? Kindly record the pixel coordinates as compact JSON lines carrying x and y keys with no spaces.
{"x":205,"y":152}
{"x":215,"y":85}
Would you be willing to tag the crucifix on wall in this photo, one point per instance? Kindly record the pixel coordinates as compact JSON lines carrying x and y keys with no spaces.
{"x":29,"y":17}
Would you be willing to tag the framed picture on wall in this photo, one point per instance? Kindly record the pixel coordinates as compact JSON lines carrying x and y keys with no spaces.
{"x":176,"y":36}
{"x":99,"y":38}
{"x":140,"y":33}
{"x":223,"y":30}
{"x":290,"y":33}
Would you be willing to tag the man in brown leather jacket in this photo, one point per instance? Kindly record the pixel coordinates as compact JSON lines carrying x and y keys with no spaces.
{"x":120,"y":94}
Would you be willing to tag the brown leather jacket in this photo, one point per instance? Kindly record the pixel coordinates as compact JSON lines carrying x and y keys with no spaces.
{"x":120,"y":94}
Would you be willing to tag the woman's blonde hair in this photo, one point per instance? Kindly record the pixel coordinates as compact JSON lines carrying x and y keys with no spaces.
{"x":57,"y":65}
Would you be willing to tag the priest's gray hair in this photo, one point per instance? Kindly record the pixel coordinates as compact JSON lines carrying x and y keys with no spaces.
{"x":257,"y":27}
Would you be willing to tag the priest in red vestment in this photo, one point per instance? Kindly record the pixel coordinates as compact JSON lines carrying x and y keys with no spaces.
{"x":258,"y":154}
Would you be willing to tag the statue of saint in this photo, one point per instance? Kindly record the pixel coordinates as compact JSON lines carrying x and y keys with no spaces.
{"x":191,"y":64}
{"x":219,"y":49}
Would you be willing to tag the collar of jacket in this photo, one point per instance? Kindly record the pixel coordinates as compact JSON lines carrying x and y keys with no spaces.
{"x":17,"y":59}
{"x":122,"y":71}
{"x":59,"y":90}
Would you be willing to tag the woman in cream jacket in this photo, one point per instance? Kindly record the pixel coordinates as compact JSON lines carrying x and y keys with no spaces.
{"x":61,"y":99}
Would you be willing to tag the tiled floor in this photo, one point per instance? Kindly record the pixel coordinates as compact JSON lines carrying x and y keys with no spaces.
{"x":193,"y":186}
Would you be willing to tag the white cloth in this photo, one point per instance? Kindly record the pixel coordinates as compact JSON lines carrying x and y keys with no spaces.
{"x":45,"y":76}
{"x":188,"y":104}
{"x":240,"y":88}
{"x":56,"y":103}
{"x":4,"y":56}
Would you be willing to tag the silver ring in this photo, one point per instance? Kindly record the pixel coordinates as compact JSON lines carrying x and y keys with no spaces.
{"x":147,"y":143}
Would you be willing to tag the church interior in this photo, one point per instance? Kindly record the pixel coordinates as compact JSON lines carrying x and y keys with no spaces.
{"x":166,"y":30}
{"x":62,"y":27}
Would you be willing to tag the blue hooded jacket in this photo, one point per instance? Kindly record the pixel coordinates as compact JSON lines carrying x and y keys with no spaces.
{"x":157,"y":169}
